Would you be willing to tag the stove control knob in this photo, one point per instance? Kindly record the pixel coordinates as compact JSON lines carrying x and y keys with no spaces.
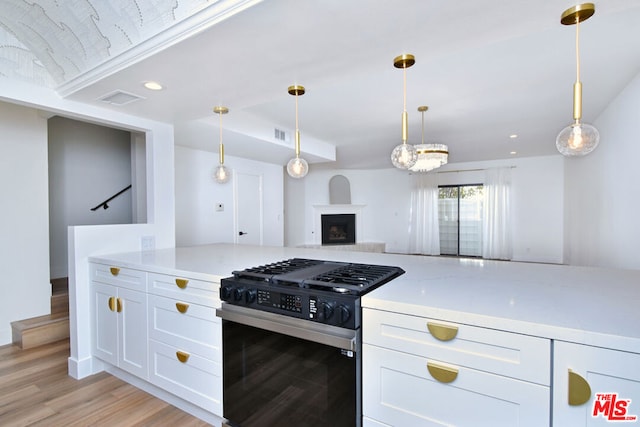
{"x":343,"y":314}
{"x":250,"y":296}
{"x":326,"y":311}
{"x":238,"y":293}
{"x":225,"y":292}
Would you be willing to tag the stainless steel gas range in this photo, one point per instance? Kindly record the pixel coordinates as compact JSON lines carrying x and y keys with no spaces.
{"x":292,"y":342}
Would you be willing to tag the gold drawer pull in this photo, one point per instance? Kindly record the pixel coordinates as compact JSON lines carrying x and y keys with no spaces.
{"x":444,"y":374}
{"x":114,"y":271}
{"x":112,"y":303}
{"x":182,"y":307}
{"x":182,"y":356}
{"x":442,"y":332}
{"x":579,"y":389}
{"x":119,"y":305}
{"x":182,"y":283}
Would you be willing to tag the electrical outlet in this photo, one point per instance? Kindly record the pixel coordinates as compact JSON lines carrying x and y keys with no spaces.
{"x":219,"y":207}
{"x":148,"y":243}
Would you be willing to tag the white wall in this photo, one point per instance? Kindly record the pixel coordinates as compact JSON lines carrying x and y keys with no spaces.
{"x":197,"y":193}
{"x":537,"y":208}
{"x":602,"y":193}
{"x":87,"y":165}
{"x":24,"y":222}
{"x":85,"y":241}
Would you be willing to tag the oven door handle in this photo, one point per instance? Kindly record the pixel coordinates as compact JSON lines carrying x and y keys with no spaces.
{"x":299,"y":328}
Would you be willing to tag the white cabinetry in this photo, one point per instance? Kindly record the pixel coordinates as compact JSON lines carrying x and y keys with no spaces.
{"x":590,"y":380}
{"x":423,"y":372}
{"x":120,"y":318}
{"x":185,"y":339}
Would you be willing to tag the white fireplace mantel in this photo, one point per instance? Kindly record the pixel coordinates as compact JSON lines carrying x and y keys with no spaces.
{"x":320,"y":210}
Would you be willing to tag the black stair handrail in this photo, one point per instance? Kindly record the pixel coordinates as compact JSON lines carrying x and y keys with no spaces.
{"x":104,"y":204}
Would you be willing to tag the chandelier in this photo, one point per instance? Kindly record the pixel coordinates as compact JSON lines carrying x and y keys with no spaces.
{"x":430,"y":156}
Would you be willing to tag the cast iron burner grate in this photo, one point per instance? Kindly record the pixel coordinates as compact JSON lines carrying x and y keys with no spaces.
{"x":345,"y":278}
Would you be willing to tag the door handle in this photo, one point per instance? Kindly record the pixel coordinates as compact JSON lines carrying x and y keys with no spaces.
{"x":242,"y":233}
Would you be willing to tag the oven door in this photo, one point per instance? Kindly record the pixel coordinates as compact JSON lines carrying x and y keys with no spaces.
{"x":281,"y":371}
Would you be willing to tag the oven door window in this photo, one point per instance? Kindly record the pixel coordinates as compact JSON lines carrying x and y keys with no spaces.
{"x":271,"y":379}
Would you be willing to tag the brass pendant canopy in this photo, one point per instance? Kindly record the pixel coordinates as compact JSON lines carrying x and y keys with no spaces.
{"x":578,"y":13}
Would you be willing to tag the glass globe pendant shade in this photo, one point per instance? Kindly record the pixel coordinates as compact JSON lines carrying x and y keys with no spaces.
{"x":221,"y":174}
{"x":404,"y":156}
{"x":578,"y":139}
{"x":297,"y":168}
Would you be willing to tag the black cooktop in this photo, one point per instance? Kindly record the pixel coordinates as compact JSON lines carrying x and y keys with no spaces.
{"x":341,"y":277}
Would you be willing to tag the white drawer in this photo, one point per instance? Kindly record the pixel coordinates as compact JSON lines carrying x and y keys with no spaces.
{"x":399,"y":390}
{"x":118,"y":276}
{"x":185,"y":289}
{"x":504,"y":353}
{"x":191,"y":327}
{"x":196,"y":379}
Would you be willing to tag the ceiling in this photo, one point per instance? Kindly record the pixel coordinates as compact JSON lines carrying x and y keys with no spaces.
{"x":487,"y":69}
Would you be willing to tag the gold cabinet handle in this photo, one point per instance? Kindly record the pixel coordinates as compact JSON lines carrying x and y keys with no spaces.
{"x":182,"y":283}
{"x":112,"y":303}
{"x":114,"y":271}
{"x":182,"y":356}
{"x":442,"y":332}
{"x":119,"y":305}
{"x":182,"y":307}
{"x":579,"y":389}
{"x":444,"y":374}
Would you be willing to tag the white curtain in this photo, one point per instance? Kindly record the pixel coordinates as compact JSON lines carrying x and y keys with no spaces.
{"x":497,"y":221}
{"x":424,"y":233}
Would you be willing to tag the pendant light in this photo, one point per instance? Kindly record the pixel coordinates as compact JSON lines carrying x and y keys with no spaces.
{"x":404,"y":155}
{"x":430,"y":156}
{"x":297,"y":167}
{"x":578,"y":138}
{"x":221,"y":174}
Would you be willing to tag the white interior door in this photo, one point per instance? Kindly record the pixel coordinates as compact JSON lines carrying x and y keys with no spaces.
{"x":248,"y":209}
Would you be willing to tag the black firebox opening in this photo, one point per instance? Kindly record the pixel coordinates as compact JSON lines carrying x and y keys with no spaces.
{"x":338,"y":229}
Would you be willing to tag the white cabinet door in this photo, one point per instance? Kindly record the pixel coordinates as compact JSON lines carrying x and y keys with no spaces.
{"x":105,"y":327}
{"x":609,"y":381}
{"x":120,"y":328}
{"x":398,"y":390}
{"x":132,"y":329}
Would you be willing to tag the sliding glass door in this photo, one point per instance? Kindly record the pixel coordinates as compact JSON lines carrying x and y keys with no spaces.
{"x":460,"y":220}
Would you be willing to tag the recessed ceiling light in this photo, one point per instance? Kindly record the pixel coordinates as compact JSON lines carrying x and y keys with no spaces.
{"x":513,"y":153}
{"x":153,"y":85}
{"x":513,"y":136}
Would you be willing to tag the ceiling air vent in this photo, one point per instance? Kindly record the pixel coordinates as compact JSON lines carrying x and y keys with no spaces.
{"x":120,"y":98}
{"x":280,"y":134}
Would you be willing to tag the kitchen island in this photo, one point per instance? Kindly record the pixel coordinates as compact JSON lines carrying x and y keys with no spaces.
{"x":510,"y":317}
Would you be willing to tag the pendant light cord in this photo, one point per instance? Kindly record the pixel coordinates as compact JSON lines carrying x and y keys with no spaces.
{"x":423,"y":127}
{"x":220,"y":146}
{"x":297,"y":130}
{"x":577,"y":49}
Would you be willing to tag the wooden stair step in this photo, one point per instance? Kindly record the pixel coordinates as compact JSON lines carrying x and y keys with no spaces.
{"x":30,"y":333}
{"x":60,"y":303}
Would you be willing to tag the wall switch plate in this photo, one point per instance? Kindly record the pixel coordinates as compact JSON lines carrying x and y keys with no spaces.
{"x":219,"y":207}
{"x":148,"y":243}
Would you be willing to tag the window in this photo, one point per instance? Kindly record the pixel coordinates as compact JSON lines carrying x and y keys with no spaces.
{"x":460,"y":219}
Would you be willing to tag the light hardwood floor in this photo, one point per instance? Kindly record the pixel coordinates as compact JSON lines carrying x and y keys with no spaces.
{"x":35,"y":390}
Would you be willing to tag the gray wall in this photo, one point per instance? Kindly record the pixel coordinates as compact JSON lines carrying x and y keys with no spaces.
{"x":88,"y":163}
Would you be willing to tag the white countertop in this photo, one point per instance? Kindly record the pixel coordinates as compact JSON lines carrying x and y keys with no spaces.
{"x":591,"y":306}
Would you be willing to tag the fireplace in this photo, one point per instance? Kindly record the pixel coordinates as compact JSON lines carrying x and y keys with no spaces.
{"x":338,"y":229}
